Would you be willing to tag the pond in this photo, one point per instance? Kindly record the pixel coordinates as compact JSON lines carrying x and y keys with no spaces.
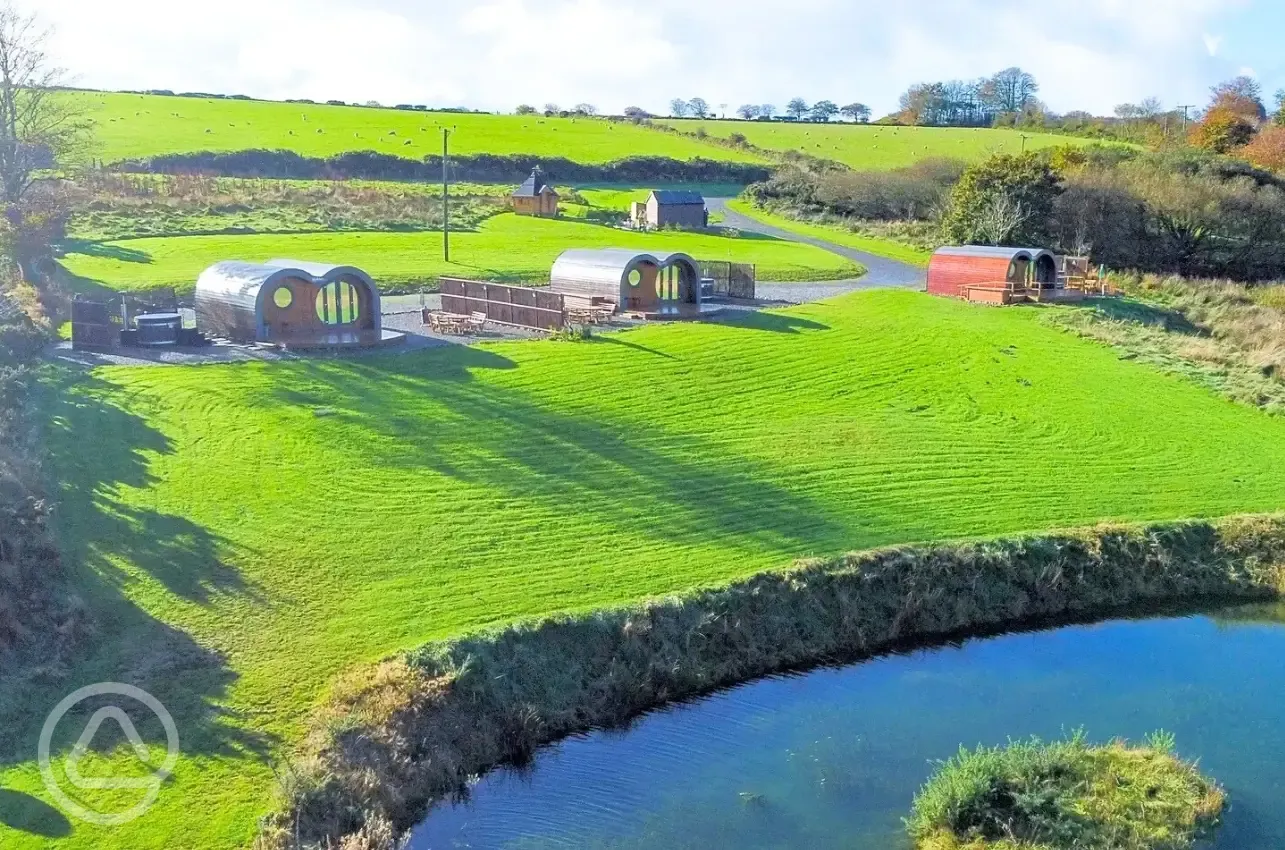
{"x":832,"y":758}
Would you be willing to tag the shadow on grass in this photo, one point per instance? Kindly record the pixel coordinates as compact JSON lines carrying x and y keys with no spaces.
{"x":1151,"y":315}
{"x":414,"y":411}
{"x":616,"y":339}
{"x":96,"y":448}
{"x":90,"y":248}
{"x":32,"y":815}
{"x":765,"y":320}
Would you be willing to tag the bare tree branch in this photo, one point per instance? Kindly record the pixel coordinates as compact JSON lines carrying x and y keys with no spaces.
{"x":38,"y":129}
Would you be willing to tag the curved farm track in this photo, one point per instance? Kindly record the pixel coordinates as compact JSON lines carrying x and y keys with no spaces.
{"x":883,"y":273}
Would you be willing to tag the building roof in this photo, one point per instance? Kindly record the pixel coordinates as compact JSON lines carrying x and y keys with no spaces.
{"x":324,"y":273}
{"x":677,"y":197}
{"x":992,"y":252}
{"x":610,"y":265}
{"x":533,"y":185}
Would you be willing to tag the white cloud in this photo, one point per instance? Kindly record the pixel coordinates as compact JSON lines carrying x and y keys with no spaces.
{"x":498,"y":53}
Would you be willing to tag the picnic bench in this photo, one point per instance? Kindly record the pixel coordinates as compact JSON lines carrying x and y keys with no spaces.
{"x":590,"y":314}
{"x":443,"y":322}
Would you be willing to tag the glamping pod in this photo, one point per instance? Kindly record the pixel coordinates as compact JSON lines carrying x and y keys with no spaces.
{"x":954,"y":271}
{"x":291,"y":303}
{"x":634,"y":282}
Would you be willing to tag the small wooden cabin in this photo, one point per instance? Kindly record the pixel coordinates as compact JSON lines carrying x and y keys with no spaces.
{"x":990,"y":274}
{"x":535,"y":197}
{"x":635,"y":282}
{"x":670,"y":208}
{"x":291,"y":303}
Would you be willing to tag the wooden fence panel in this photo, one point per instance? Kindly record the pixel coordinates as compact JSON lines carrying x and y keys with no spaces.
{"x":94,"y":326}
{"x":520,"y":306}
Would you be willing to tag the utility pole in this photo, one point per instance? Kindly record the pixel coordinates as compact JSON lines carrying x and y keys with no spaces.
{"x":446,"y":202}
{"x":1185,"y":107}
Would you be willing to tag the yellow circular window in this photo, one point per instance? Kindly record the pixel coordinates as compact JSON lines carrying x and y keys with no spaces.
{"x":635,"y":277}
{"x":283,"y":297}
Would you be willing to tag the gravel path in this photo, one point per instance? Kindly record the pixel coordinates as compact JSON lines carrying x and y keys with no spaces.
{"x":883,"y":272}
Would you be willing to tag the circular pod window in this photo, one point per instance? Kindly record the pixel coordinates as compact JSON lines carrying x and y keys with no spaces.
{"x":635,"y":277}
{"x":338,"y":303}
{"x":283,"y":297}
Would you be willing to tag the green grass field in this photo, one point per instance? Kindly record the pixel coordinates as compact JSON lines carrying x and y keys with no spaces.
{"x":838,"y":235}
{"x":505,"y":247}
{"x":245,"y":532}
{"x":874,"y":147}
{"x":132,"y":126}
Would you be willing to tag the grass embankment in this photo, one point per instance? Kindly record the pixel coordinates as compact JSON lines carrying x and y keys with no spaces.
{"x":1227,"y":336}
{"x":132,"y":126}
{"x":870,"y":147}
{"x":415,"y":728}
{"x":503,"y":248}
{"x":111,"y":207}
{"x":835,"y":233}
{"x":245,"y":549}
{"x":1032,"y":795}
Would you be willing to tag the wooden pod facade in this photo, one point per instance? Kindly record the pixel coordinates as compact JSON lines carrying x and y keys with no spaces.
{"x":952,"y":270}
{"x":289,"y":302}
{"x":633,"y":281}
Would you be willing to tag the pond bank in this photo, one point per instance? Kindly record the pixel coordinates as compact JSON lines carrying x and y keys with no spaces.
{"x":396,"y":737}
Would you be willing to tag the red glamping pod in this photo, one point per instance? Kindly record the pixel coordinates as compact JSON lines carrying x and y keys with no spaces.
{"x":952,"y":271}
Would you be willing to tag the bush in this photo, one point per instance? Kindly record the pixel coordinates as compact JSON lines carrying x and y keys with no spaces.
{"x":1222,"y":131}
{"x":1193,"y":216}
{"x":1268,"y":149}
{"x":369,"y":165}
{"x":1031,"y":795}
{"x":1005,"y":200}
{"x":914,"y":193}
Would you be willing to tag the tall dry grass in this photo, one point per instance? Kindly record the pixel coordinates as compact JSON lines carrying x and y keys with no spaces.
{"x":1228,"y":336}
{"x":393,"y":738}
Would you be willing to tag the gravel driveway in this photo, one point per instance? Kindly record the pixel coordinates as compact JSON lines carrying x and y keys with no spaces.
{"x":883,"y":273}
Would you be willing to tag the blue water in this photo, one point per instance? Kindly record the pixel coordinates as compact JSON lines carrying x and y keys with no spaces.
{"x":833,"y":757}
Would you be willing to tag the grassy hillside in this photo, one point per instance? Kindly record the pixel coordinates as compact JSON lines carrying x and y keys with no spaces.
{"x":131,"y":126}
{"x":244,"y":532}
{"x":506,"y":247}
{"x":872,"y":147}
{"x":836,"y":234}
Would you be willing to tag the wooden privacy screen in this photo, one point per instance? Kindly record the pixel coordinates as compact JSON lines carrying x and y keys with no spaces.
{"x":731,"y":280}
{"x":94,"y":327}
{"x":521,"y":306}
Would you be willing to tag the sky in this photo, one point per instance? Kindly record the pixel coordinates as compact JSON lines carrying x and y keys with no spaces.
{"x":496,"y":54}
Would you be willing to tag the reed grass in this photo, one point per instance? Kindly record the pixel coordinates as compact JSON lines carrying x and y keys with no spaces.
{"x":1036,"y":795}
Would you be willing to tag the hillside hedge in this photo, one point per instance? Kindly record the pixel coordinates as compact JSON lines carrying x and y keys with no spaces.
{"x":482,"y":168}
{"x":31,"y":604}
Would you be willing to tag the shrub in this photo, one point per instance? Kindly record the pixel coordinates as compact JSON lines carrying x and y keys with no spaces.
{"x":370,"y":165}
{"x":1267,"y":150}
{"x":1221,"y":131}
{"x":1003,"y":200}
{"x":1066,"y":794}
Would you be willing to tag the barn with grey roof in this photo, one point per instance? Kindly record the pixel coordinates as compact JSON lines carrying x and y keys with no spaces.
{"x":670,"y":208}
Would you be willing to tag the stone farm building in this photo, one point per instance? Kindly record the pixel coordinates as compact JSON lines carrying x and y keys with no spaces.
{"x":670,"y":208}
{"x":535,"y":197}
